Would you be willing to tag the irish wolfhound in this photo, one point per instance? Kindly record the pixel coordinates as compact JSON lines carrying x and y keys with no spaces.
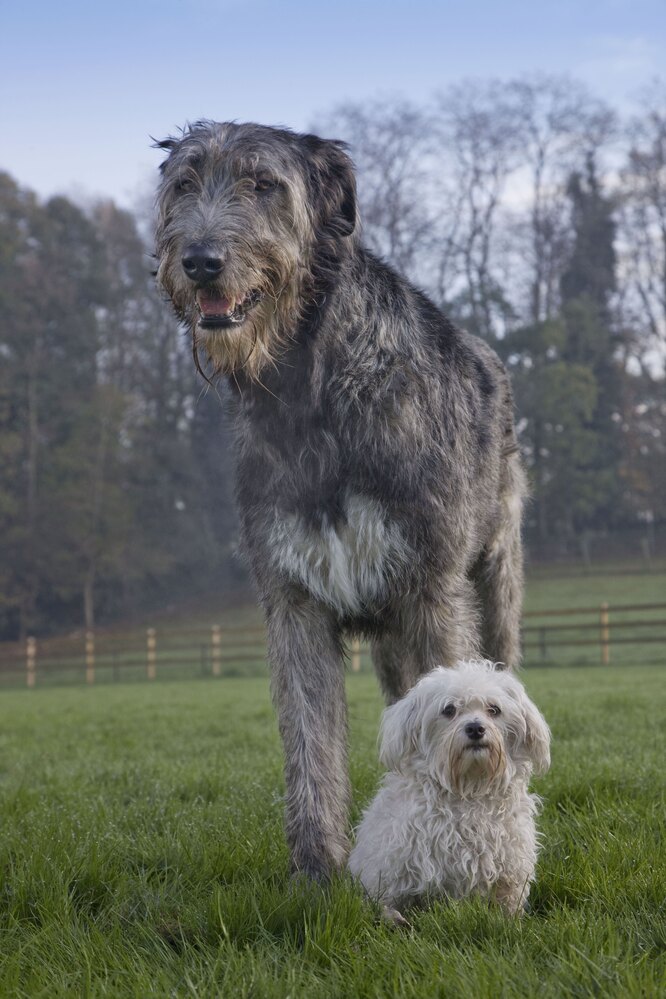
{"x":378,"y":478}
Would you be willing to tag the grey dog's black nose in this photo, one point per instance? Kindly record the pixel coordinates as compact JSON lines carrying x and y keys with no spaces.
{"x":475,"y":730}
{"x":201,"y":263}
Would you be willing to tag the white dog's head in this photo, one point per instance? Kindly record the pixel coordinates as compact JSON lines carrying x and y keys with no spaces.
{"x":471,"y":728}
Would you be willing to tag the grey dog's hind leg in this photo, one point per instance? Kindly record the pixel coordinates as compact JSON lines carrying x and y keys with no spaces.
{"x":395,"y":671}
{"x":309,"y":694}
{"x":499,"y":573}
{"x":433,"y":630}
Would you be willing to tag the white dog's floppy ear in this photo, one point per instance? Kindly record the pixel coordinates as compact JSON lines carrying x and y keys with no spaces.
{"x":537,"y":736}
{"x":399,"y":731}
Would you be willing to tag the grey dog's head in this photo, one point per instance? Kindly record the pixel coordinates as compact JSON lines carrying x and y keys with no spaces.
{"x":247,"y":215}
{"x":470,"y":728}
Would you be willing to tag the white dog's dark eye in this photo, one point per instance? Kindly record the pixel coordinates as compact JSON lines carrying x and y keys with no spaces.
{"x":449,"y":710}
{"x":494,"y":710}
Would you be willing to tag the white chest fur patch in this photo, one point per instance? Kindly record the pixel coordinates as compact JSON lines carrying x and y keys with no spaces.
{"x":349,"y":566}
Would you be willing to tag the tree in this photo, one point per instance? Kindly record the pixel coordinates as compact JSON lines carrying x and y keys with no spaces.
{"x":110,"y":493}
{"x":18,"y":211}
{"x":593,"y":339}
{"x":556,"y":400}
{"x":392,"y":146}
{"x":166,"y":546}
{"x":558,"y":121}
{"x":643,"y":232}
{"x":48,"y":339}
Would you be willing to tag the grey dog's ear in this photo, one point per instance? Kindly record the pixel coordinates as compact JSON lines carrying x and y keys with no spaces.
{"x":399,"y":731}
{"x":332,"y":175}
{"x":168,"y":144}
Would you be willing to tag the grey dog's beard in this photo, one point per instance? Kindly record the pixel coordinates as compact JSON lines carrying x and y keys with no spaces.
{"x":234,"y":351}
{"x":250,"y":342}
{"x":247,"y":347}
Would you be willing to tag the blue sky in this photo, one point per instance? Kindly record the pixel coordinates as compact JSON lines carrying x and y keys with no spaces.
{"x":83,"y":85}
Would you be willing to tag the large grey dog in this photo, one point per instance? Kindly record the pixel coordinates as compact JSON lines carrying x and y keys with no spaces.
{"x":379,"y":483}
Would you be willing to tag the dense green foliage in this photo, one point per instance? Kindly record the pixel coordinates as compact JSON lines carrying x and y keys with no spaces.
{"x":114,"y":486}
{"x":568,"y":380}
{"x":142,"y":854}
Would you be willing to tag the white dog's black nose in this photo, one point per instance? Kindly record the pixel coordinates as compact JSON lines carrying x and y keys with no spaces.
{"x":475,"y":730}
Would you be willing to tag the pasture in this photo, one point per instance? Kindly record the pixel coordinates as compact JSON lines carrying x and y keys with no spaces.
{"x":142,"y":852}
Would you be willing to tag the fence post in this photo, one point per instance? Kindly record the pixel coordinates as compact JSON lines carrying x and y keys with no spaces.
{"x":151,"y":669}
{"x":356,"y":655}
{"x":31,"y":661}
{"x":90,"y":657}
{"x":216,"y":650}
{"x":605,"y":634}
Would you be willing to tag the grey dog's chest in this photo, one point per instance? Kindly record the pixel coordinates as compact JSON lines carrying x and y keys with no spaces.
{"x":351,"y":564}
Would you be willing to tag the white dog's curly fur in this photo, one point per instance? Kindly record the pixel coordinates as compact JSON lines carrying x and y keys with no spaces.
{"x":453,"y":816}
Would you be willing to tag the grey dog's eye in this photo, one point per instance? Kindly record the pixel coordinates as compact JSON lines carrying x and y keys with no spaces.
{"x":449,"y":710}
{"x":184,"y":185}
{"x":264,"y":184}
{"x":494,"y":710}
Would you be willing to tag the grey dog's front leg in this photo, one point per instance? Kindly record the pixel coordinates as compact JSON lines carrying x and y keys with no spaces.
{"x":309,"y":694}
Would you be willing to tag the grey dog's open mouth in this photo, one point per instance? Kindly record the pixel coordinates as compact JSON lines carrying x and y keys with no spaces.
{"x":476,"y":746}
{"x":219,"y":311}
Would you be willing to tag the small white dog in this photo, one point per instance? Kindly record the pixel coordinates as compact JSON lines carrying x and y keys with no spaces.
{"x":453,"y":816}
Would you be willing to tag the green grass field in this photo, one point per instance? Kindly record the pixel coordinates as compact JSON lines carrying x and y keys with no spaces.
{"x":142,"y":853}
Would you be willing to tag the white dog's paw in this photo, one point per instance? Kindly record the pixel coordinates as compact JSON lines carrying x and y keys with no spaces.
{"x":395,"y":919}
{"x":512,"y":899}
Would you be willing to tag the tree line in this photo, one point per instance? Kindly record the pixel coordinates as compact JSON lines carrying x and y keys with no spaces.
{"x":535,"y":216}
{"x":529,"y":211}
{"x":115,"y":469}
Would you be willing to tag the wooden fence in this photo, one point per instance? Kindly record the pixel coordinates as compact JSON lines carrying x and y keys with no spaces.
{"x":625,"y":634}
{"x":112,"y":656}
{"x":620,"y":634}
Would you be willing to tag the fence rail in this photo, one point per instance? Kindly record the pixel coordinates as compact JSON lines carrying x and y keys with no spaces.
{"x":623,"y":634}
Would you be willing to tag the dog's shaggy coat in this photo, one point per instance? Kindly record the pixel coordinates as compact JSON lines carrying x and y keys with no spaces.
{"x":378,"y":483}
{"x":453,"y":816}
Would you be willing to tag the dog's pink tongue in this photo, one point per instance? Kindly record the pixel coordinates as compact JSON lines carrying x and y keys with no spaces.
{"x":214,"y":305}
